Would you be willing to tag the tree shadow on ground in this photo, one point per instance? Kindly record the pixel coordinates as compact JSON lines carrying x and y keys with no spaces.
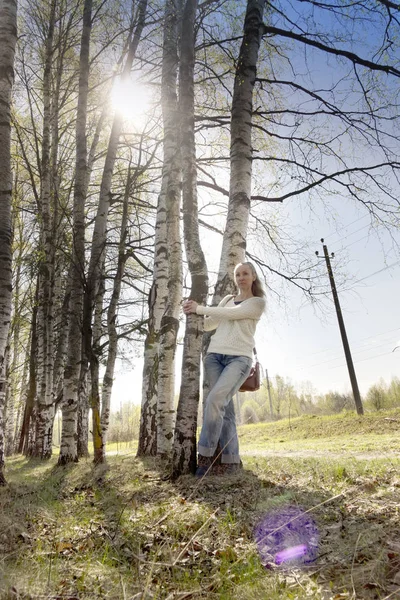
{"x":163,"y":534}
{"x":346,"y":541}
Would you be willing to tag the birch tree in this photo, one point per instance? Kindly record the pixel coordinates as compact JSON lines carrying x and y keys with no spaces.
{"x":26,"y":439}
{"x":72,"y":375}
{"x":184,"y":450}
{"x":12,"y":379}
{"x":172,"y":176}
{"x":157,"y":300}
{"x":241,"y":150}
{"x":112,"y":312}
{"x":8,"y":39}
{"x":45,"y":324}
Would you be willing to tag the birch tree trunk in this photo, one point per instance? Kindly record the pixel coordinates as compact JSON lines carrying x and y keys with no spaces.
{"x":112,"y":316}
{"x":21,"y":404}
{"x":83,"y":415}
{"x":72,"y":373}
{"x":184,"y":449}
{"x":45,"y":405}
{"x":241,"y":156}
{"x":13,"y":379}
{"x":62,"y":343}
{"x":172,"y":175}
{"x":241,"y":153}
{"x":7,"y":393}
{"x":157,"y":300}
{"x":24,"y":440}
{"x":8,"y":39}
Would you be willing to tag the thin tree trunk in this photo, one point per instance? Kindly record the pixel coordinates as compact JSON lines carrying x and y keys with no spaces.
{"x":8,"y":39}
{"x":157,"y":301}
{"x":72,"y":373}
{"x":23,"y":446}
{"x":13,"y":385}
{"x":83,"y":416}
{"x":172,"y":175}
{"x":45,"y":404}
{"x":112,"y":315}
{"x":9,"y":400}
{"x":241,"y":152}
{"x":21,"y":402}
{"x":184,"y":450}
{"x":20,"y":350}
{"x":2,"y":403}
{"x":62,"y":343}
{"x":94,"y":370}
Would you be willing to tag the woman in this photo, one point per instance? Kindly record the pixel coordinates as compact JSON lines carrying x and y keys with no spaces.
{"x":227,"y":364}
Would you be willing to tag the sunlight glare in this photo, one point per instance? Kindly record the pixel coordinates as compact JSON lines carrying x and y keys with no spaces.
{"x":131,"y":100}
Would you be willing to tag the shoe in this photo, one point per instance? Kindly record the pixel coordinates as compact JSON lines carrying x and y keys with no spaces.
{"x":203,"y":465}
{"x":231,"y":468}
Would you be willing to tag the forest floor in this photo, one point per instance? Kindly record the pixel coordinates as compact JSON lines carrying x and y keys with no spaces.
{"x":311,"y":522}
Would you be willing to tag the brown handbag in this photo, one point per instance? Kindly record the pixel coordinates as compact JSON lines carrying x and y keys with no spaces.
{"x":253,"y":381}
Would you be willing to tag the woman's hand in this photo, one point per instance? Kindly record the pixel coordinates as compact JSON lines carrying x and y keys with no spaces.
{"x":189,"y":306}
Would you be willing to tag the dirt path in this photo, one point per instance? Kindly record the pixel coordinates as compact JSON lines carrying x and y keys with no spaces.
{"x":327,"y":454}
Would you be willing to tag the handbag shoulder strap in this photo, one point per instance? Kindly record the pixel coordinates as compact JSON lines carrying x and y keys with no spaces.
{"x":227,"y":300}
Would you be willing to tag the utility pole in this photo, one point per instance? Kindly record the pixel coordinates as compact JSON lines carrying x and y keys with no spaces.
{"x":346,"y":347}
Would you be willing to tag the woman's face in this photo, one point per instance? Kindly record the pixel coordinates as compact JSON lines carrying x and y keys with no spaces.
{"x":244,"y":277}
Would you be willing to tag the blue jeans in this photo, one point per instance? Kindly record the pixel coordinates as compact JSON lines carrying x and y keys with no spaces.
{"x":225,"y":375}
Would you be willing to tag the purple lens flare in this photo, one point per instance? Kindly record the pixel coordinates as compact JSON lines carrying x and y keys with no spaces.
{"x":287,"y":536}
{"x":290,"y":553}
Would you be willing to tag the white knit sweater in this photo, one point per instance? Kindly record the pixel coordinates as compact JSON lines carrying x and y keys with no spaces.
{"x":235,"y":324}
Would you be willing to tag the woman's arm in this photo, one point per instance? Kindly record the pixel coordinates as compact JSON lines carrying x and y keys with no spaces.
{"x":252,"y":308}
{"x":210,"y":322}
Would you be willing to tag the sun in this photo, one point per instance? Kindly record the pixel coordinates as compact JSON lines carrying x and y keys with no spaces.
{"x":131,"y":100}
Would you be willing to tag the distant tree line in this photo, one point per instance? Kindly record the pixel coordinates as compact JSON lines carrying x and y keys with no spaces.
{"x":254,"y":407}
{"x":287,"y":401}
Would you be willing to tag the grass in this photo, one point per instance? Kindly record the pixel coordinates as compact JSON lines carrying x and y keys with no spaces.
{"x":122,"y":531}
{"x":373,"y":432}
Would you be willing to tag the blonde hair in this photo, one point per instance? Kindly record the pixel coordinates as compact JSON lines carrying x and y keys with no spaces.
{"x":256,"y":287}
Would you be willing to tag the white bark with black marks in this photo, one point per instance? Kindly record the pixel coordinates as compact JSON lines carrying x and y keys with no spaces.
{"x":241,"y":153}
{"x":45,"y":321}
{"x":157,"y":301}
{"x":184,"y":449}
{"x":172,"y":176}
{"x":8,"y":39}
{"x":72,"y":373}
{"x":112,"y":312}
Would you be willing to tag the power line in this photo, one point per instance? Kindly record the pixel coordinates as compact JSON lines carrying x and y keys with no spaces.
{"x":340,"y":356}
{"x":352,"y":243}
{"x":376,"y":272}
{"x":348,"y":225}
{"x":357,"y":341}
{"x":365,"y":359}
{"x":352,"y":233}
